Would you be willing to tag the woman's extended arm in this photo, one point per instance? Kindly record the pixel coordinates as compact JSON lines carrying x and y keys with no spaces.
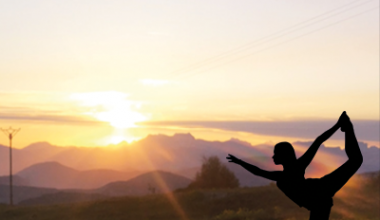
{"x":272,"y":175}
{"x":308,"y":156}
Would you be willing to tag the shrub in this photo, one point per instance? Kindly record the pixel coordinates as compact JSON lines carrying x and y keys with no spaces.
{"x":214,"y":175}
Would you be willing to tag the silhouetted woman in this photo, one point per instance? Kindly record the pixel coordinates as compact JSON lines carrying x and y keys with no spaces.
{"x":313,"y":194}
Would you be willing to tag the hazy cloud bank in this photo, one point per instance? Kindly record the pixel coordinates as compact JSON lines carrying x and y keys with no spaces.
{"x":51,"y":118}
{"x":365,"y":129}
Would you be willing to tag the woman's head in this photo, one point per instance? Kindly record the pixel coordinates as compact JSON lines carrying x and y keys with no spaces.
{"x":284,"y":153}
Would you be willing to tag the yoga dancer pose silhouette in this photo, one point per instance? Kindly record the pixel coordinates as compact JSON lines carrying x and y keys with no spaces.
{"x":313,"y":194}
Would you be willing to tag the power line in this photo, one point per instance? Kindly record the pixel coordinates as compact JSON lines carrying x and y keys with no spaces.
{"x":278,"y":44}
{"x":281,"y":43}
{"x":271,"y":37}
{"x":10,"y":132}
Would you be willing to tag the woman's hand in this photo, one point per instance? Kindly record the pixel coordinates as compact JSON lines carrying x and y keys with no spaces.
{"x":233,"y":159}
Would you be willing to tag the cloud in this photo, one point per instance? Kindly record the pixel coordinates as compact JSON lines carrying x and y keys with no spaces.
{"x":364,"y":129}
{"x":77,"y":108}
{"x":51,"y":118}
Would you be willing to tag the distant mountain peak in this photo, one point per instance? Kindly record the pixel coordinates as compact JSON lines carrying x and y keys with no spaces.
{"x":120,"y":144}
{"x":39,"y":145}
{"x":176,"y":136}
{"x":50,"y":165}
{"x":184,"y":136}
{"x":153,"y":172}
{"x":236,"y":140}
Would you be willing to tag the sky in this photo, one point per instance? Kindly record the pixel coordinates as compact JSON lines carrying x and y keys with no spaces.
{"x":93,"y":73}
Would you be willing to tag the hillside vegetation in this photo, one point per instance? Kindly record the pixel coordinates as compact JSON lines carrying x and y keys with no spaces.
{"x":357,"y":200}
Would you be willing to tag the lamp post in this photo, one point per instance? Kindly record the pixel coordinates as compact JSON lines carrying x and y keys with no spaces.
{"x":10,"y":132}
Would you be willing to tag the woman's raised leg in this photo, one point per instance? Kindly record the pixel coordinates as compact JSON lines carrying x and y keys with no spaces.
{"x":338,"y":178}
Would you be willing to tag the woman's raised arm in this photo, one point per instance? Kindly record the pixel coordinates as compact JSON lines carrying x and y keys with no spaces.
{"x":308,"y":156}
{"x":272,"y":175}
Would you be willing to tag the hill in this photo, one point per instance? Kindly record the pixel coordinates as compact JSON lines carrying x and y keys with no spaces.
{"x":16,"y":180}
{"x":23,"y":192}
{"x":156,"y":182}
{"x":148,"y":183}
{"x":49,"y":174}
{"x":56,"y":175}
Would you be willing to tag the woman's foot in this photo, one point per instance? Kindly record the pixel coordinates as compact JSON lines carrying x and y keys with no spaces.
{"x":345,"y":123}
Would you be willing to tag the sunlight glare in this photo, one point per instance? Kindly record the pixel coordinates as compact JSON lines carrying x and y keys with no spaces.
{"x":110,"y":106}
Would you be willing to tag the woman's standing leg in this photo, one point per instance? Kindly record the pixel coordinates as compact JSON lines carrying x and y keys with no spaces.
{"x":322,"y":213}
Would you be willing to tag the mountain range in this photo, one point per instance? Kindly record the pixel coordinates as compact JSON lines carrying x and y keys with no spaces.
{"x":74,"y":174}
{"x":46,"y":165}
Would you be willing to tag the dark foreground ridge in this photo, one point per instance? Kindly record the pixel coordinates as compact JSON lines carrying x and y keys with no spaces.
{"x":358,"y":200}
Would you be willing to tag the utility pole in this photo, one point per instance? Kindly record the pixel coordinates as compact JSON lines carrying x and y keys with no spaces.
{"x":10,"y":132}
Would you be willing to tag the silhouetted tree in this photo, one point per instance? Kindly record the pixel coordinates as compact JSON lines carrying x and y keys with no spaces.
{"x":214,"y":175}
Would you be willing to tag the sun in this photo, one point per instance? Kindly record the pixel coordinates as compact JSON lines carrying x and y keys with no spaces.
{"x":120,"y":118}
{"x":117,"y":137}
{"x":110,"y":106}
